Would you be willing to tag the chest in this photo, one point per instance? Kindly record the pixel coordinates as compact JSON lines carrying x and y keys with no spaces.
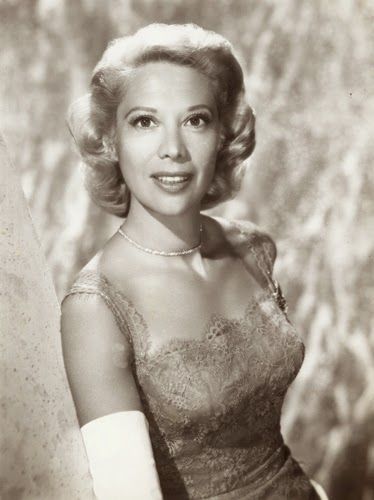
{"x":177,"y":304}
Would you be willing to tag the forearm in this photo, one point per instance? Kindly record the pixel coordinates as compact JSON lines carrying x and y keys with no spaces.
{"x":120,"y":457}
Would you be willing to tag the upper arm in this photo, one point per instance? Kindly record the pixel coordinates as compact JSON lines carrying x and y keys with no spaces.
{"x":97,"y":359}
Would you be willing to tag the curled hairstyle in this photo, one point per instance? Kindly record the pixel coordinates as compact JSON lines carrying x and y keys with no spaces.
{"x":92,"y":119}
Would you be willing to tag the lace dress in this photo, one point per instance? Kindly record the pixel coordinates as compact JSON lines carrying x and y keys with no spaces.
{"x":214,"y":404}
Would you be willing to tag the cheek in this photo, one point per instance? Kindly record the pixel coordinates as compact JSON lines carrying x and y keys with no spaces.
{"x":135,"y":152}
{"x":203,"y":150}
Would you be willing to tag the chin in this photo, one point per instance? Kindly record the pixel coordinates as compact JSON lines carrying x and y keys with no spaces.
{"x":173,"y":211}
{"x":175,"y":207}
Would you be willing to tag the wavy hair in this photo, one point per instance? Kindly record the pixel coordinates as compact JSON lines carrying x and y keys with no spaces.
{"x":92,"y":118}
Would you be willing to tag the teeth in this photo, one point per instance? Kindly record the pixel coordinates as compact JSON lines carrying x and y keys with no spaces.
{"x":172,"y":179}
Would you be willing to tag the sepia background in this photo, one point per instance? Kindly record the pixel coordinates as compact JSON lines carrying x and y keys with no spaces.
{"x":309,"y":76}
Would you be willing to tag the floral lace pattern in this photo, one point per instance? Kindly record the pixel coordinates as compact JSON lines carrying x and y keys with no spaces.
{"x":214,"y":404}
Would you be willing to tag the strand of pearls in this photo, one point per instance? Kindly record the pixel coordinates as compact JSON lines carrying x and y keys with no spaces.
{"x":161,"y":252}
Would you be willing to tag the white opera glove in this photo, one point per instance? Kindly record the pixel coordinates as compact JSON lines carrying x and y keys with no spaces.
{"x":320,"y":491}
{"x":120,"y":457}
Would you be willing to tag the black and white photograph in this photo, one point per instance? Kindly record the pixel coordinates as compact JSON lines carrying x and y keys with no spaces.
{"x":186,"y":249}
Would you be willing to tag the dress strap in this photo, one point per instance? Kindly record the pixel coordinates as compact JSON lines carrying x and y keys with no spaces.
{"x":94,"y":282}
{"x":264,"y":255}
{"x":263,"y":250}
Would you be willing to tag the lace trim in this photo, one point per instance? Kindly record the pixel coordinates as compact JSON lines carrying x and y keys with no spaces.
{"x":135,"y":328}
{"x":217,"y":326}
{"x":261,"y":247}
{"x":92,"y":282}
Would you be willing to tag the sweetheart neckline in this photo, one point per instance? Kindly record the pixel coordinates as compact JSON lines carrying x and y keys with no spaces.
{"x":142,"y":342}
{"x":183,"y":344}
{"x":174,"y":344}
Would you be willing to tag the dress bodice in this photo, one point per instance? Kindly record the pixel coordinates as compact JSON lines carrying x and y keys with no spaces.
{"x":214,"y":403}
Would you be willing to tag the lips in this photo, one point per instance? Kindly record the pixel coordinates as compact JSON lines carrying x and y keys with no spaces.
{"x":172,"y":182}
{"x":171,"y":178}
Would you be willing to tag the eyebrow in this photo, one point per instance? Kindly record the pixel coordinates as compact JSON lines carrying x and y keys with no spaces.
{"x":141,"y":108}
{"x":199,"y":106}
{"x":154,"y":110}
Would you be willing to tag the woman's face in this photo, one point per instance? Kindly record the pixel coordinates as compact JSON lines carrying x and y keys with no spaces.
{"x":167,"y":137}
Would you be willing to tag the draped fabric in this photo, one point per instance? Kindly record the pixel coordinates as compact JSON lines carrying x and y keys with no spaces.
{"x":42,"y":453}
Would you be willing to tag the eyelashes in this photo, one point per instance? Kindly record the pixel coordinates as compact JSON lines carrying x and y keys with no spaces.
{"x":195,"y":120}
{"x":143,"y":121}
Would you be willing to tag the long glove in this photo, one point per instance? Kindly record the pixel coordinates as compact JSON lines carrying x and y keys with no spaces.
{"x":120,"y":457}
{"x":320,"y":491}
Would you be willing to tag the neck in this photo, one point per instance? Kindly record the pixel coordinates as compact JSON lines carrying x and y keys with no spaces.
{"x":163,"y":232}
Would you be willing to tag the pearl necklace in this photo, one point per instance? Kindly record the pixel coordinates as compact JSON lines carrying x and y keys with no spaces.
{"x":161,"y":252}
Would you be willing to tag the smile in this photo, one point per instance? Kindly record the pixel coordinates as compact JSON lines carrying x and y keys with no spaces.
{"x":172,"y":179}
{"x":172,"y":183}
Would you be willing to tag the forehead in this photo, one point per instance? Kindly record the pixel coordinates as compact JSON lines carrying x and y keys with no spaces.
{"x":165,"y":84}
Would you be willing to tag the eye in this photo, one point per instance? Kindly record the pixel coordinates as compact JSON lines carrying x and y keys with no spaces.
{"x":143,"y":121}
{"x":198,"y":120}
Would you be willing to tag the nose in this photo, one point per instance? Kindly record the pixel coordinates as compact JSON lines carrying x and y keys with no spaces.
{"x":172,"y":145}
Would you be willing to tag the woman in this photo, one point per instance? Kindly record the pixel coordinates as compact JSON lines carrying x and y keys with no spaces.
{"x":175,"y":336}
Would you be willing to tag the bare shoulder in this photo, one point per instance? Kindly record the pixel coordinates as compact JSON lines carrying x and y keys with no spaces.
{"x":244,"y":237}
{"x":86,"y":309}
{"x":97,"y":358}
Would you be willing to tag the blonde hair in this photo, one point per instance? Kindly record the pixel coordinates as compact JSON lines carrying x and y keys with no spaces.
{"x":92,"y":118}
